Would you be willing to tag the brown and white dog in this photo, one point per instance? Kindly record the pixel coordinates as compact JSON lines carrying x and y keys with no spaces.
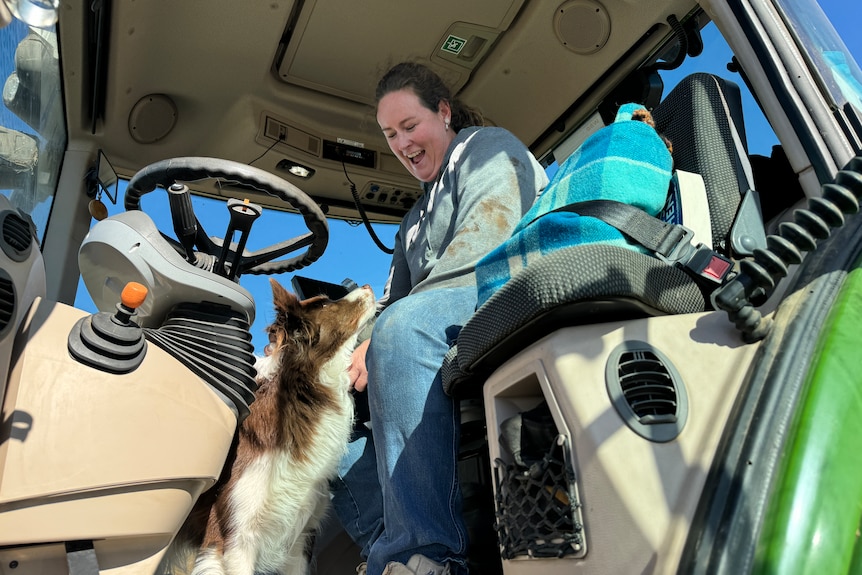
{"x":275,"y":486}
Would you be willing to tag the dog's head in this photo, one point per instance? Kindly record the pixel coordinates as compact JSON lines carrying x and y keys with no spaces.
{"x":308,"y":334}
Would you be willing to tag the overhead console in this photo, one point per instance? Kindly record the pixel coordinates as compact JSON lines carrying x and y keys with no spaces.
{"x":384,"y":187}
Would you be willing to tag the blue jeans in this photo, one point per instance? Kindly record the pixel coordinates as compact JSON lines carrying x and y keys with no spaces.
{"x":397,"y":492}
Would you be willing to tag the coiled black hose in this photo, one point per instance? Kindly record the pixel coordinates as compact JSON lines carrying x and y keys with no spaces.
{"x":682,"y":39}
{"x":759,"y":275}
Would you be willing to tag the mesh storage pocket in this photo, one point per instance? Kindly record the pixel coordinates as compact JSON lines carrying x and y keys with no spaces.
{"x":537,"y":509}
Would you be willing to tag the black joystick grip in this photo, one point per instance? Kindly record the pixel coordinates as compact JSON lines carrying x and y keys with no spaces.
{"x":183,"y":218}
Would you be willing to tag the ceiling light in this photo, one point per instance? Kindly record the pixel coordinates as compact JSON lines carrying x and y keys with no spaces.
{"x":295,"y":169}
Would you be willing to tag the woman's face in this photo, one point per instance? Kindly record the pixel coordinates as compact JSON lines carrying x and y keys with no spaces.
{"x":418,"y":137}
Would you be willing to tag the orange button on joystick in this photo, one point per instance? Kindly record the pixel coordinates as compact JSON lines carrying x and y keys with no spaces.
{"x":133,"y":295}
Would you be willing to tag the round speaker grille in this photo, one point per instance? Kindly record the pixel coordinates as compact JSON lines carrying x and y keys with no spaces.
{"x":152,"y":118}
{"x":582,"y":26}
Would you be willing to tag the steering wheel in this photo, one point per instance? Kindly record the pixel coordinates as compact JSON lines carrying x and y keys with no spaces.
{"x":166,"y":173}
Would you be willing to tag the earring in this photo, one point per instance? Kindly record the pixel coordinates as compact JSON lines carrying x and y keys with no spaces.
{"x":447,"y":125}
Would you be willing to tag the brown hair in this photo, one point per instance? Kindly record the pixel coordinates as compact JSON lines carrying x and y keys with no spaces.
{"x":430,"y":89}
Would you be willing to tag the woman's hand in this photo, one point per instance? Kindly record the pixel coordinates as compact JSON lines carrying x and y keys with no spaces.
{"x":357,"y":372}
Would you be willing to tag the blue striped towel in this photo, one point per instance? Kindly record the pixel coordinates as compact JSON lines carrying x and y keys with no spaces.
{"x":625,"y":161}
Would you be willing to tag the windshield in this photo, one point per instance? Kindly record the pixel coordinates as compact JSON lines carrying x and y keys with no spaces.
{"x":32,"y":126}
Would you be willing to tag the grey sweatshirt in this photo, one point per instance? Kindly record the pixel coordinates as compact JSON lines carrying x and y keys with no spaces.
{"x":488,"y":180}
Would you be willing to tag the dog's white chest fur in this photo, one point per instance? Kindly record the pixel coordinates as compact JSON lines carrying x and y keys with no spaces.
{"x":277,"y":498}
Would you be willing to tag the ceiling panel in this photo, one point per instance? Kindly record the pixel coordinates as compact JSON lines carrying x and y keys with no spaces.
{"x":339,"y":35}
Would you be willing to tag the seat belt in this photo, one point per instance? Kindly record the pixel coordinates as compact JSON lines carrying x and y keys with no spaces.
{"x":669,"y":242}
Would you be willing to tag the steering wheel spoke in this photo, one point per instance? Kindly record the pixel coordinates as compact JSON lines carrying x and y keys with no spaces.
{"x":253,"y":259}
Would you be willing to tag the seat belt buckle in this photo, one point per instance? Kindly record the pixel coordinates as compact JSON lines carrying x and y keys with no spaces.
{"x":705,"y":265}
{"x":681,"y":251}
{"x":709,"y":266}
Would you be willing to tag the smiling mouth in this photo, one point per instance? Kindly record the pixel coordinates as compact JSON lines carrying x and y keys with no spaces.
{"x":415,"y":157}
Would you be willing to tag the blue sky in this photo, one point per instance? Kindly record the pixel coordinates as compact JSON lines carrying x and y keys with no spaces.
{"x":351,"y":252}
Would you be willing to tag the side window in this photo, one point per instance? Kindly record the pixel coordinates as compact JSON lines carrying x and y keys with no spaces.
{"x":770,"y":169}
{"x":716,"y":59}
{"x":839,"y":73}
{"x":32,"y":126}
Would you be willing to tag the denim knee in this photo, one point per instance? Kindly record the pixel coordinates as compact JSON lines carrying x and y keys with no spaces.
{"x":436,"y":313}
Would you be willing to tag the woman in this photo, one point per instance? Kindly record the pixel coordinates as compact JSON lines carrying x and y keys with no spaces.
{"x":397,"y":494}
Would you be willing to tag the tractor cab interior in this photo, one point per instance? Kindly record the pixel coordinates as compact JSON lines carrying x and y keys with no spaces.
{"x":623,"y":410}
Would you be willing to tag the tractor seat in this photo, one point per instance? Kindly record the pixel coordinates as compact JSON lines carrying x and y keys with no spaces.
{"x":596,"y":283}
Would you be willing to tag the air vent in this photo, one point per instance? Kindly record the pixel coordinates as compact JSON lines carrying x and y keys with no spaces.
{"x":7,"y":301}
{"x":17,"y":236}
{"x":646,"y":391}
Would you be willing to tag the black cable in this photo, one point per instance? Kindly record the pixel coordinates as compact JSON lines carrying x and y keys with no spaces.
{"x":362,"y":213}
{"x":265,"y":152}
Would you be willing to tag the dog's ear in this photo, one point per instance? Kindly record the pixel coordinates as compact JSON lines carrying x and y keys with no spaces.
{"x":281,"y":298}
{"x":290,"y":318}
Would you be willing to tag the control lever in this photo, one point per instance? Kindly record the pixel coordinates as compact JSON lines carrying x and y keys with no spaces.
{"x":183,"y":216}
{"x":242,"y":215}
{"x":112,"y":342}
